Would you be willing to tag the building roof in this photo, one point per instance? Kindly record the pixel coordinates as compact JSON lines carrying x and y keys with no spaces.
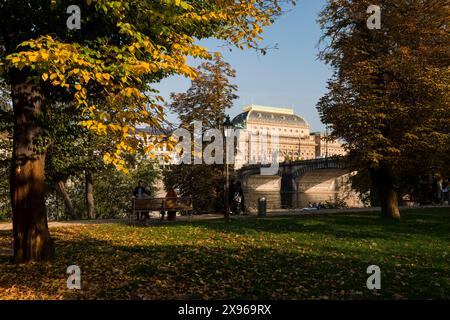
{"x":284,"y":116}
{"x":156,"y":131}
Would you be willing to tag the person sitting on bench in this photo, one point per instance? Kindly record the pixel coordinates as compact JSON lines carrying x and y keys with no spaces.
{"x":141,"y":192}
{"x":171,"y":203}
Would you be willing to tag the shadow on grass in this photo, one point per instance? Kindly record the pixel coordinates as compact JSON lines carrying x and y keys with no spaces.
{"x":434,"y":223}
{"x":113,"y":269}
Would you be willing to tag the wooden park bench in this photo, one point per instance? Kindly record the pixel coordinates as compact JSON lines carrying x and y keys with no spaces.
{"x":148,"y":204}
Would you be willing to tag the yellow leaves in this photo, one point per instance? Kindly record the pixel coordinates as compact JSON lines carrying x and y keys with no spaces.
{"x":114,"y":127}
{"x":115,"y":160}
{"x":86,"y":77}
{"x":15,"y":60}
{"x":130,"y":92}
{"x":149,"y":148}
{"x":188,"y":71}
{"x":107,"y":158}
{"x":32,"y":58}
{"x":103,"y":78}
{"x":118,"y":70}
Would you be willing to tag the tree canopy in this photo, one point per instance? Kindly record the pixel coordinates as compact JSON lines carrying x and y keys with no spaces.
{"x":107,"y":66}
{"x":388,"y":97}
{"x":206,"y":101}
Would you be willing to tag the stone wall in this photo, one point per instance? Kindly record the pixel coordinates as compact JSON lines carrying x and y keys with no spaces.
{"x":317,"y":186}
{"x":258,"y":186}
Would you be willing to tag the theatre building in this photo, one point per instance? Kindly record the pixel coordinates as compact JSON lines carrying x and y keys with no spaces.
{"x":295,"y":140}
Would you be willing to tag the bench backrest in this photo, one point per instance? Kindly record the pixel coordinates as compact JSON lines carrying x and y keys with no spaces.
{"x":157,"y":204}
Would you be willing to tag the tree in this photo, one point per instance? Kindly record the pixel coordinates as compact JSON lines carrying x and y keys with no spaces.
{"x":210,"y":94}
{"x":105,"y":69}
{"x":5,"y":147}
{"x":69,"y":147}
{"x":388,"y":98}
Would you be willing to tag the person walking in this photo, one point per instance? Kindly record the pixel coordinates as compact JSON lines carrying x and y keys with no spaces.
{"x":439,"y":189}
{"x":231,"y":191}
{"x":445,"y":192}
{"x":238,"y":206}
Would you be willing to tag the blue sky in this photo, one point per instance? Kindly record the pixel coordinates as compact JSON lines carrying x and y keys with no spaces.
{"x":290,"y":76}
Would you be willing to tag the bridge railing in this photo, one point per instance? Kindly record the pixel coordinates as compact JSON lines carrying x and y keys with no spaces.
{"x":300,"y":166}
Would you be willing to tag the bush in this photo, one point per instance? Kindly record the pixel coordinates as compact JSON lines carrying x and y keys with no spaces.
{"x":113,"y":190}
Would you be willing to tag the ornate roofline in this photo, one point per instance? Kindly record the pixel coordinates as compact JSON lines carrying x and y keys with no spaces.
{"x":253,"y":107}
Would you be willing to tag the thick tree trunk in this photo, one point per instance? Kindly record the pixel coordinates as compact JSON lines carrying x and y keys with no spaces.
{"x":68,"y":205}
{"x":382,"y":180}
{"x":90,"y":195}
{"x":32,"y":240}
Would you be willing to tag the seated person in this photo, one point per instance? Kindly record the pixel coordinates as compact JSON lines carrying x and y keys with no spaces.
{"x":170,"y":203}
{"x":141,"y":192}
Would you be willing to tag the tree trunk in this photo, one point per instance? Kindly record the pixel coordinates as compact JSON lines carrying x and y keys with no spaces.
{"x":382,"y":180}
{"x":32,"y":240}
{"x":68,"y":205}
{"x":90,"y":194}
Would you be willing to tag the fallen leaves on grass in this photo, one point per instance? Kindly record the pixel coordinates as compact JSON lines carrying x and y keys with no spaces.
{"x":278,"y":258}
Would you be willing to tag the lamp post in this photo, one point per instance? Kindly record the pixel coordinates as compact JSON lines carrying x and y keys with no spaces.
{"x":226,"y":126}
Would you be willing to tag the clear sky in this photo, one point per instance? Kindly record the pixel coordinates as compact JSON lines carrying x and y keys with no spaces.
{"x":290,"y":76}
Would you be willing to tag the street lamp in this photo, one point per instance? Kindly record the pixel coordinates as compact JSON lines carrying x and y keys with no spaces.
{"x":226,"y":126}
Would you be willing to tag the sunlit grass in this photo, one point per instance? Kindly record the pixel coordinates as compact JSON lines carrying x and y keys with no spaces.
{"x":273,"y":258}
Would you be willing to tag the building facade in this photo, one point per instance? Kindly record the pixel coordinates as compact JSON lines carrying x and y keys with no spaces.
{"x":326,"y":148}
{"x":295,"y":141}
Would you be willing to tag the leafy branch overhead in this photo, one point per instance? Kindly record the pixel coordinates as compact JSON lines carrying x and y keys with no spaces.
{"x":107,"y":67}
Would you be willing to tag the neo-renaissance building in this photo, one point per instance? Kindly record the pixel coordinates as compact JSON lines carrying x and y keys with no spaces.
{"x":295,"y":141}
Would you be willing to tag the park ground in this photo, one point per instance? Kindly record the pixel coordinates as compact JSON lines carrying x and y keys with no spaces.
{"x":290,"y":257}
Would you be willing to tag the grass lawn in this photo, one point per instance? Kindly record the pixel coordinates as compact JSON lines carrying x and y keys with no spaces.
{"x":274,"y":258}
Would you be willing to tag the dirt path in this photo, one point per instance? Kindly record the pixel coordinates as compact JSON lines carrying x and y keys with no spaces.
{"x":59,"y":224}
{"x":270,"y":213}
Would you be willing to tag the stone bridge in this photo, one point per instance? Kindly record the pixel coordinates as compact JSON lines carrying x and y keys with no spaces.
{"x":298,"y":183}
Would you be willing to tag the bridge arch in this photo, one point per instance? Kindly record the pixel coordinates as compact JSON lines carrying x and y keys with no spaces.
{"x":298,"y":183}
